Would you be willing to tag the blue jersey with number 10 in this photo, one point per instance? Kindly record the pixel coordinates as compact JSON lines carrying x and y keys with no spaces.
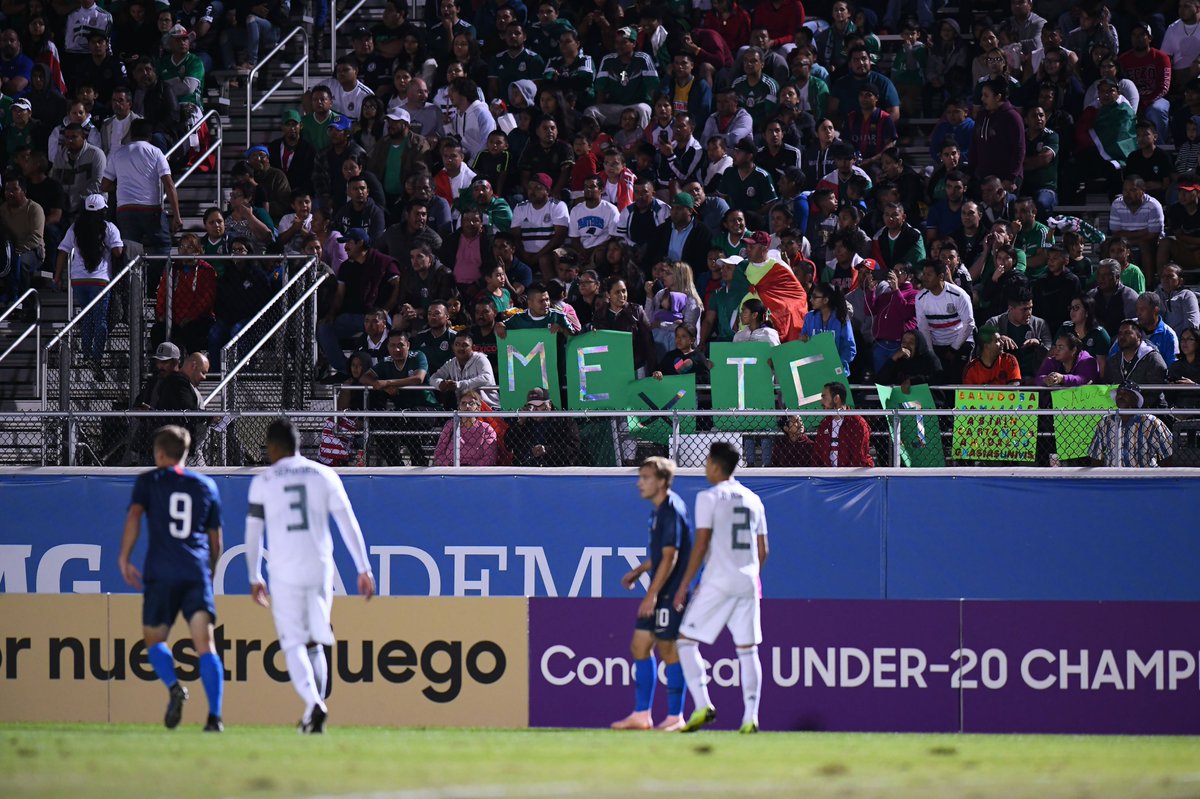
{"x":669,"y":528}
{"x":181,"y":507}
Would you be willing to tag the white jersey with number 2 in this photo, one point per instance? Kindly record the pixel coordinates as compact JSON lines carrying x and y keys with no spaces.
{"x":295,"y":498}
{"x":736,"y":517}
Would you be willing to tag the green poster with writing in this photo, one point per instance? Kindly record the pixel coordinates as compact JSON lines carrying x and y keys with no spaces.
{"x":599,"y":367}
{"x":742,"y":380}
{"x":920,"y":435}
{"x":994,"y":438}
{"x":1073,"y":434}
{"x":528,"y":359}
{"x":804,"y":367}
{"x":673,"y":392}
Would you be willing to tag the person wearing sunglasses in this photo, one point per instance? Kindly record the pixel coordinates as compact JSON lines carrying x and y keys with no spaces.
{"x":541,"y":437}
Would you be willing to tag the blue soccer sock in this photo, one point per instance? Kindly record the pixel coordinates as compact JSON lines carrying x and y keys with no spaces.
{"x":676,"y":695}
{"x":212,"y":674}
{"x":163,"y":663}
{"x":645,"y":675}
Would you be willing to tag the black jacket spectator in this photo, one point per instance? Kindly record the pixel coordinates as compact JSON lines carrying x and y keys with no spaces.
{"x":558,"y":438}
{"x":300,"y":166}
{"x":695,"y":246}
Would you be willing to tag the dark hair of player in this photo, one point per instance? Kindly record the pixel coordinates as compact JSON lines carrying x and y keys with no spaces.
{"x":283,"y":434}
{"x":725,"y":455}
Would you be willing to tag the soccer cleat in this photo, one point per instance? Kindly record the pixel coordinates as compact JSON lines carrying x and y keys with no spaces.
{"x":637,"y":720}
{"x":179,"y":695}
{"x":316,"y":722}
{"x":749,"y":728}
{"x":214,"y":724}
{"x":701,"y":716}
{"x":670,"y":724}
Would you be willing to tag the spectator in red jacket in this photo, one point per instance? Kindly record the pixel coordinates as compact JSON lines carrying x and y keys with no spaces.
{"x":192,"y":284}
{"x":842,"y":439}
{"x":1150,"y":70}
{"x":731,"y":21}
{"x":781,"y":18}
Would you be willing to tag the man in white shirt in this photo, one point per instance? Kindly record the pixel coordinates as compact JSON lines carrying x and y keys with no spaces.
{"x":946,"y":321}
{"x":1138,"y":218}
{"x":468,"y":370}
{"x":731,"y":546}
{"x":348,"y":92}
{"x":540,"y":224}
{"x":1182,"y":42}
{"x":593,"y":221}
{"x":293,"y":500}
{"x":473,"y":121}
{"x":141,"y":175}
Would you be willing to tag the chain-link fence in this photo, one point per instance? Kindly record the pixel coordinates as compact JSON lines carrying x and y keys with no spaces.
{"x":556,"y":439}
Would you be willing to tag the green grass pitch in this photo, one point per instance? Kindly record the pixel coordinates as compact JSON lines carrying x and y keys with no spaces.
{"x":127,"y":762}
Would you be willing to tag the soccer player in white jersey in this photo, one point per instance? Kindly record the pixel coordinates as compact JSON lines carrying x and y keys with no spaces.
{"x":293,"y":500}
{"x":731,"y":545}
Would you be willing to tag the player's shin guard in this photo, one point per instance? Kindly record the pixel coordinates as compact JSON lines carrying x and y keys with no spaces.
{"x":645,"y":676}
{"x":693,"y":672}
{"x":750,"y":672}
{"x":676,"y":696}
{"x":320,"y":667}
{"x":163,"y":663}
{"x":301,"y":672}
{"x":212,"y":675}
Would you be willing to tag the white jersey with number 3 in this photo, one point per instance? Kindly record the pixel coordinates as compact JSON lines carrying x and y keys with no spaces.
{"x":736,"y":517}
{"x":295,"y":498}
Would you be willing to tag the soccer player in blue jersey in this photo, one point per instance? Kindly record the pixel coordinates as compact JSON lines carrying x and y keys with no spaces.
{"x":658,"y":617}
{"x":183,"y":516}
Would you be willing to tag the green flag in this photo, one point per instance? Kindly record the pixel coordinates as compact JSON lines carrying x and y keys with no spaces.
{"x":741,"y":379}
{"x":1073,"y":434}
{"x":920,"y":436}
{"x":528,"y":359}
{"x":673,"y":392}
{"x":994,"y":438}
{"x":804,"y":367}
{"x":599,"y":367}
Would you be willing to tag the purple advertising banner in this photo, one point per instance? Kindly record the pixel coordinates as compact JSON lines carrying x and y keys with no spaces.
{"x":1082,"y":667}
{"x":827,"y":665}
{"x":901,"y":666}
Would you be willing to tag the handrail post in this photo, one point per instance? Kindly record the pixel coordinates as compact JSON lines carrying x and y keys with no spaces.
{"x":69,"y":435}
{"x":897,"y":426}
{"x":457,"y":444}
{"x":675,"y":433}
{"x":137,"y":355}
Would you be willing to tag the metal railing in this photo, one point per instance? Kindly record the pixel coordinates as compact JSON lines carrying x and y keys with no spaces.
{"x":218,"y":139}
{"x":588,"y":439}
{"x":229,"y":351}
{"x":302,"y":63}
{"x":63,"y":341}
{"x":35,"y":327}
{"x":335,"y":25}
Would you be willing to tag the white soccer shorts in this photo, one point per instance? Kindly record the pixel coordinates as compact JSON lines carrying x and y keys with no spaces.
{"x":709,"y":611}
{"x":302,"y":614}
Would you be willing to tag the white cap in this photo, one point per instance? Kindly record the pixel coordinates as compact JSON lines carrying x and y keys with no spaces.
{"x":732,"y":260}
{"x":398,"y":114}
{"x":95,"y":202}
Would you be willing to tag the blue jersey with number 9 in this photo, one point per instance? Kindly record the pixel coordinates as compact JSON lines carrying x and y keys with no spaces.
{"x":181,"y":506}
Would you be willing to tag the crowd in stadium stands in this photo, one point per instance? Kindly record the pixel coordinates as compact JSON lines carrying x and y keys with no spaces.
{"x":690,"y":172}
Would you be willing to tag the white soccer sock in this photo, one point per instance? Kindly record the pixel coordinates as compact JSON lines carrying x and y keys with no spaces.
{"x":750,"y":669}
{"x":320,"y":667}
{"x":693,"y":672}
{"x":301,"y":672}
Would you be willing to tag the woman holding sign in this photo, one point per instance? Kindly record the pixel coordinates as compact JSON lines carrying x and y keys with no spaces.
{"x":830,"y":314}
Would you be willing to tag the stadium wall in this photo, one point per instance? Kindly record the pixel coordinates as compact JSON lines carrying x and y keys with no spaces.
{"x":883,"y":534}
{"x":828,"y":665}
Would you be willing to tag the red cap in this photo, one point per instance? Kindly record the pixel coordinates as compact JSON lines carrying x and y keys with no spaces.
{"x":759,"y":237}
